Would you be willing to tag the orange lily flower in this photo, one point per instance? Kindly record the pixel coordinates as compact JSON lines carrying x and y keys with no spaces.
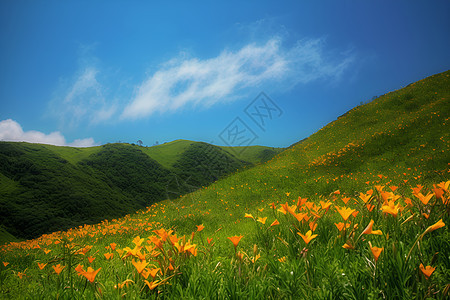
{"x":348,"y":246}
{"x":424,"y":199}
{"x":90,"y":274}
{"x":274,"y":223}
{"x":325,"y":205}
{"x":435,"y":226}
{"x":364,"y":197}
{"x":250,"y":216}
{"x":41,"y":266}
{"x":153,"y":284}
{"x":58,"y":268}
{"x":375,"y":251}
{"x":138,"y":241}
{"x":262,"y":220}
{"x":200,"y":227}
{"x":427,"y":271}
{"x":345,"y":200}
{"x":308,"y":236}
{"x":391,"y":208}
{"x":235,"y":240}
{"x":369,"y":230}
{"x":345,"y":212}
{"x":113,"y":246}
{"x":109,"y":255}
{"x":80,"y":269}
{"x":139,"y":265}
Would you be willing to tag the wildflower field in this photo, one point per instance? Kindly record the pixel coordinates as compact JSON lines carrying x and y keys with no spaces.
{"x":359,"y":210}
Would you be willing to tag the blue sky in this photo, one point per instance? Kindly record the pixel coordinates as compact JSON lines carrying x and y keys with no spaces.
{"x":86,"y":73}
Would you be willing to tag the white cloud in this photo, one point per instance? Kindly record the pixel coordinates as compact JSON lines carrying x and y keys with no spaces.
{"x":83,"y":99}
{"x":10,"y":130}
{"x":196,"y":82}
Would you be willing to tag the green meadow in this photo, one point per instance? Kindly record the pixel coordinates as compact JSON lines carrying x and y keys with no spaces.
{"x":359,"y":210}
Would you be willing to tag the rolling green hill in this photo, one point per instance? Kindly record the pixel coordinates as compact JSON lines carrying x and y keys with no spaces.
{"x":45,"y":188}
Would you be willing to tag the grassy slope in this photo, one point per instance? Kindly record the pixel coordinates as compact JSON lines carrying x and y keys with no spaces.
{"x":402,"y":136}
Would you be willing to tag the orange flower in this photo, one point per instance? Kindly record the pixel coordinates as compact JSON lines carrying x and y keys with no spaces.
{"x":427,"y":271}
{"x":90,"y":274}
{"x":308,"y":236}
{"x":138,"y":241}
{"x":109,"y":255}
{"x":391,"y":208}
{"x":5,"y":263}
{"x":139,"y":265}
{"x":113,"y":246}
{"x":200,"y":227}
{"x":369,"y":230}
{"x":393,"y":188}
{"x":325,"y":205}
{"x":370,"y":207}
{"x":364,"y":197}
{"x":58,"y":268}
{"x":274,"y":223}
{"x":345,"y":199}
{"x":344,"y":212}
{"x":153,"y":284}
{"x":348,"y":246}
{"x":435,"y":226}
{"x":248,"y":216}
{"x":375,"y":251}
{"x":41,"y":266}
{"x":91,"y":259}
{"x":417,"y":189}
{"x":424,"y":199}
{"x":209,"y":240}
{"x":312,"y":226}
{"x":262,"y":220}
{"x":235,"y":240}
{"x":125,"y":283}
{"x":80,"y":270}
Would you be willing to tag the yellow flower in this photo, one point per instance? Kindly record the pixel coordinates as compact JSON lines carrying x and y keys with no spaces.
{"x":262,"y":220}
{"x":248,"y":216}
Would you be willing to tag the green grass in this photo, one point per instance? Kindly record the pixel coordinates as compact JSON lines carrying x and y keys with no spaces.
{"x":45,"y":188}
{"x":397,"y":141}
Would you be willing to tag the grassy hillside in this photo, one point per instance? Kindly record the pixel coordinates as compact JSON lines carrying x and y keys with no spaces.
{"x":296,"y":227}
{"x":46,"y":188}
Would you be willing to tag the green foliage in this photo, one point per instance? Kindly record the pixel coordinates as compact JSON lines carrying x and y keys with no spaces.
{"x":47,"y":188}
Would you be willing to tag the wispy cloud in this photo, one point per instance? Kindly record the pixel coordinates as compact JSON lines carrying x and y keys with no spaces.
{"x":195,"y":82}
{"x":10,"y":130}
{"x":82,"y":100}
